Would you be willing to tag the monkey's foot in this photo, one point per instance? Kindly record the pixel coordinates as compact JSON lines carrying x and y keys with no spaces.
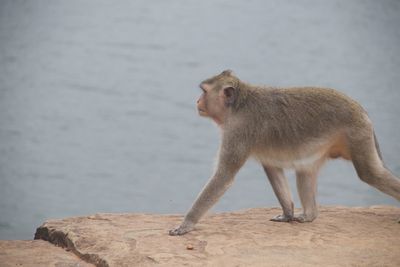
{"x":302,"y":218}
{"x":182,"y":229}
{"x":282,"y":218}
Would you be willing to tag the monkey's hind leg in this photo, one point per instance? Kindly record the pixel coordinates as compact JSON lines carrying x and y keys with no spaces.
{"x":307,"y":188}
{"x":370,"y":168}
{"x":281,"y":188}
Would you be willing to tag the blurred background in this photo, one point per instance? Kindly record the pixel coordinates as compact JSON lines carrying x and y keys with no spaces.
{"x":97,"y":98}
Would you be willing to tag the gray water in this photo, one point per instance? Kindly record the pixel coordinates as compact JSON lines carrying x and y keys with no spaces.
{"x":97,"y":98}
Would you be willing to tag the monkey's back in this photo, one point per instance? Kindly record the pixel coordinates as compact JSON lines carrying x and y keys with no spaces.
{"x":296,"y":115}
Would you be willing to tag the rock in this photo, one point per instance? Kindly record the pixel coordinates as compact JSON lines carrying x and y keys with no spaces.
{"x":36,"y":253}
{"x":340,"y":236}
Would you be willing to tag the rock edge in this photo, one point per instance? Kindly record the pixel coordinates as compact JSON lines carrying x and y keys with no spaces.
{"x":340,"y":236}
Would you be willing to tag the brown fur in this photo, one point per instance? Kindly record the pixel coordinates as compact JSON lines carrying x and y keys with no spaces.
{"x":296,"y":128}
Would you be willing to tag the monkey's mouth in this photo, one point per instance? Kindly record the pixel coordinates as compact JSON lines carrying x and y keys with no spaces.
{"x":201,"y":111}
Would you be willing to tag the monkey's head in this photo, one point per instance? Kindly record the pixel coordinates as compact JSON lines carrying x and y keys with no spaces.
{"x":219,"y":94}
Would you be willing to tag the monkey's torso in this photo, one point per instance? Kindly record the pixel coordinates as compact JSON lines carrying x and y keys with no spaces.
{"x":297,"y":127}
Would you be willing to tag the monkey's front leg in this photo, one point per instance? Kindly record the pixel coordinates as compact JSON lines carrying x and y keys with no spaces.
{"x":281,"y":188}
{"x":214,"y":189}
{"x":230,"y":161}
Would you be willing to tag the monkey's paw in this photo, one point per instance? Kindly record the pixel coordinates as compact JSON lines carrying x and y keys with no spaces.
{"x":302,"y":218}
{"x":282,"y":218}
{"x":181,"y":230}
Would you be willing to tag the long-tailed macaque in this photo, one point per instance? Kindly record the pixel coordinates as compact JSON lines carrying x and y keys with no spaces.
{"x":297,"y":128}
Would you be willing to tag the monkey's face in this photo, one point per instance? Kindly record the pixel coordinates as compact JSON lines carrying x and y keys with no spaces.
{"x":217,"y":96}
{"x":209,"y":103}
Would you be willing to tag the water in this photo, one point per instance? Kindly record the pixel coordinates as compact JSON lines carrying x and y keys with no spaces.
{"x":97,"y":98}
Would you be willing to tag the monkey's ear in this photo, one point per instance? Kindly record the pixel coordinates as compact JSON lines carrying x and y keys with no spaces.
{"x":229,"y":94}
{"x":227,"y":72}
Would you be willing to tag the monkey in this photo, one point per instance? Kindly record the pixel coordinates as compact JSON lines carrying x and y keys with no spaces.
{"x":296,"y":128}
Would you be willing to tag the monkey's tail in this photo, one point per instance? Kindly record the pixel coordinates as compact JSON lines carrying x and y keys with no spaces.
{"x":377,"y":147}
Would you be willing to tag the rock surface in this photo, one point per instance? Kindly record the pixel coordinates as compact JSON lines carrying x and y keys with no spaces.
{"x":338,"y":237}
{"x":36,"y":253}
